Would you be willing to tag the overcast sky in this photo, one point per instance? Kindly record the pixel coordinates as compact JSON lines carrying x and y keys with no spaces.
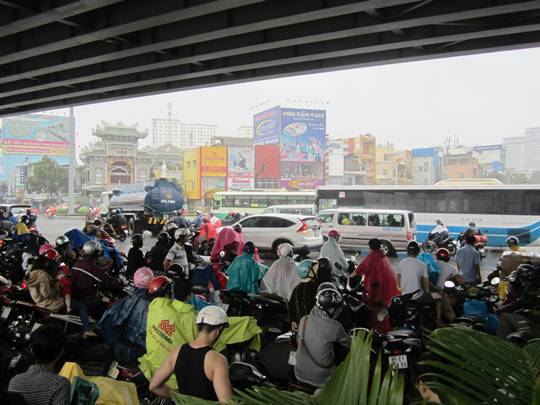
{"x":480,"y":98}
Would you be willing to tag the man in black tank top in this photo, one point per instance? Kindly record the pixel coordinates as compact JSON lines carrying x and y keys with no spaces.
{"x":200,"y":371}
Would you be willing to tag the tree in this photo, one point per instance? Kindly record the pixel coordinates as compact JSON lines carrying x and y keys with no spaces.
{"x":350,"y":384}
{"x":47,"y":177}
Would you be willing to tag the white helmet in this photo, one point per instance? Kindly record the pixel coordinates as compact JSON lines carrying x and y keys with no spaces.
{"x":213,"y":316}
{"x":182,"y":233}
{"x":285,"y":249}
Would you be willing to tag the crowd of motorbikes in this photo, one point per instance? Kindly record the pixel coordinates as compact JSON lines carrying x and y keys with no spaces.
{"x":476,"y":307}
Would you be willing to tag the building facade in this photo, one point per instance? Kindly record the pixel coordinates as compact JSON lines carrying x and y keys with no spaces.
{"x":460,"y":166}
{"x":532,"y":149}
{"x":394,"y":167}
{"x":514,"y":154}
{"x":245,"y":131}
{"x":490,"y":159}
{"x":426,"y":165}
{"x":180,"y":134}
{"x":205,"y":172}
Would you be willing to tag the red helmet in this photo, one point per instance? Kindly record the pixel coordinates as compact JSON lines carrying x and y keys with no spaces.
{"x":45,"y":248}
{"x":334,"y":233}
{"x":206,"y":219}
{"x":158,"y":285}
{"x":443,"y":254}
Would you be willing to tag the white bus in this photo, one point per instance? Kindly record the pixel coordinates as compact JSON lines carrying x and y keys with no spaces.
{"x":498,"y":210}
{"x":256,"y":201}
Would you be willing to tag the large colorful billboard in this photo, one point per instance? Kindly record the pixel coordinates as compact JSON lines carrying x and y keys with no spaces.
{"x":266,"y":127}
{"x":26,"y":139}
{"x":303,"y":135}
{"x":267,"y":162}
{"x":241,"y":171}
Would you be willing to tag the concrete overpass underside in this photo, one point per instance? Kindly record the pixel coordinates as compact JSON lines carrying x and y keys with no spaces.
{"x":55,"y":53}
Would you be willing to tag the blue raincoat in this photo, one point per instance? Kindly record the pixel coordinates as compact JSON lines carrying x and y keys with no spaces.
{"x":432,"y":266}
{"x":245,"y":274}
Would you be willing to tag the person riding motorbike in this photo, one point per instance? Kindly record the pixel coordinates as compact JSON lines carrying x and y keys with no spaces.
{"x":135,"y":258}
{"x":207,"y":234}
{"x":303,"y":296}
{"x":158,"y":252}
{"x":123,"y":325}
{"x":62,"y":246}
{"x":42,"y":284}
{"x":333,"y":252}
{"x":200,"y":371}
{"x":282,"y":276}
{"x":103,"y":231}
{"x":198,"y":220}
{"x":513,"y":244}
{"x":179,"y":219}
{"x":87,"y":281}
{"x":177,"y":253}
{"x":30,"y":218}
{"x":318,"y":335}
{"x":244,"y":272}
{"x":439,"y":233}
{"x":171,"y":322}
{"x":379,"y":282}
{"x":227,"y":241}
{"x":117,"y":221}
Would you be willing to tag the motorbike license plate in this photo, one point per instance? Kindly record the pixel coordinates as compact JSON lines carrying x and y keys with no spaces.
{"x":113,"y":370}
{"x":398,"y":362}
{"x":292,"y":358}
{"x":5,"y":313}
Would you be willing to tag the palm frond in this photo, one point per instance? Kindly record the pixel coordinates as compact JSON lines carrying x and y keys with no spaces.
{"x":479,"y":368}
{"x":350,"y":384}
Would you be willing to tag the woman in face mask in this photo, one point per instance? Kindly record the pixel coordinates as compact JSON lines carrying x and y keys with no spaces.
{"x":303,"y":296}
{"x":282,"y":276}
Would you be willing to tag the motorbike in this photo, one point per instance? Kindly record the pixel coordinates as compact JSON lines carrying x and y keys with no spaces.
{"x":480,"y":242}
{"x":432,"y":244}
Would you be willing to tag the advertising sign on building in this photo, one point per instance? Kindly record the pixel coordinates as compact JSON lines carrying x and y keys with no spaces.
{"x":267,"y":162}
{"x":241,"y":170}
{"x":266,"y":127}
{"x":26,"y":139}
{"x":214,"y":161}
{"x":302,"y":148}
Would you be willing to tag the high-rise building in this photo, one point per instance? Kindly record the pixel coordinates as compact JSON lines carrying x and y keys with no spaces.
{"x":180,"y":134}
{"x":245,"y":131}
{"x":532,"y":149}
{"x":514,"y":154}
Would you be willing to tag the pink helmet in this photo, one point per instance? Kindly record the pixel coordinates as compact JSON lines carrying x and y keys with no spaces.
{"x":142,"y":277}
{"x":45,"y":248}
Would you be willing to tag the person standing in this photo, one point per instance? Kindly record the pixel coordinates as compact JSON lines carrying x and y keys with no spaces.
{"x":177,"y":253}
{"x":135,"y":259}
{"x":468,"y":261}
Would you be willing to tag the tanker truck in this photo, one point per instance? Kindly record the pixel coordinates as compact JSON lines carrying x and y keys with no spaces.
{"x":148,"y":208}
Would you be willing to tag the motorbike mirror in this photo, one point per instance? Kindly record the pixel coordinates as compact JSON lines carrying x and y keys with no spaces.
{"x":449,"y":284}
{"x":495,"y":281}
{"x":222,"y":254}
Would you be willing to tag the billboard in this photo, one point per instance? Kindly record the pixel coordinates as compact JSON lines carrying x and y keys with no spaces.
{"x":36,"y":135}
{"x":214,"y":161}
{"x":241,"y":170}
{"x":267,"y":162}
{"x":303,"y":135}
{"x":266,"y":127}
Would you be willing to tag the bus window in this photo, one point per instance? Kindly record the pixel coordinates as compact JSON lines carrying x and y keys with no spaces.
{"x":241,"y":201}
{"x":228,"y":201}
{"x":277,"y":200}
{"x":327,"y":203}
{"x":259,"y":201}
{"x":216,"y":204}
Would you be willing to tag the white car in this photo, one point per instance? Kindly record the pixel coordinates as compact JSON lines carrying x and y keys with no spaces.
{"x":268,"y":231}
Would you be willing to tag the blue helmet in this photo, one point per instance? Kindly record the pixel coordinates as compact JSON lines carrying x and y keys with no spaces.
{"x":307,"y":268}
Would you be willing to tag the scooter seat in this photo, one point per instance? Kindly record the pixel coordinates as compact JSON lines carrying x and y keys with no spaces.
{"x":402,"y":333}
{"x":268,"y":299}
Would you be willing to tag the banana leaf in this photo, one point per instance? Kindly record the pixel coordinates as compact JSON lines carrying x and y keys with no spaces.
{"x":477,"y":368}
{"x":350,"y":384}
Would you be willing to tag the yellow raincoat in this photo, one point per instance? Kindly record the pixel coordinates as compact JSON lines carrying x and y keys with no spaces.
{"x":171,"y":323}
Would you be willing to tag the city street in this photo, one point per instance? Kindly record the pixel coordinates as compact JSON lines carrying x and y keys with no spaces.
{"x":52,"y":228}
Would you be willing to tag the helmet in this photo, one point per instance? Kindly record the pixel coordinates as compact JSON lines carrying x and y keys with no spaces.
{"x":527,"y":272}
{"x":213,"y":316}
{"x":98,"y":222}
{"x":237,"y":227}
{"x":137,"y":238}
{"x":472,"y":224}
{"x":328,"y":297}
{"x":512,"y":241}
{"x":325,"y":266}
{"x":198,"y":212}
{"x":91,"y":248}
{"x":163,"y":237}
{"x":285,"y":249}
{"x":232,"y":214}
{"x":443,"y":254}
{"x":158,"y":286}
{"x":142,"y":277}
{"x":91,"y":229}
{"x":334,"y":233}
{"x":23,"y":218}
{"x":249,"y":247}
{"x":413,"y":247}
{"x":206,"y":219}
{"x":51,"y":254}
{"x":306,"y":267}
{"x":43,"y":249}
{"x":61,"y":241}
{"x":177,"y":269}
{"x":182,"y":234}
{"x":438,"y":221}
